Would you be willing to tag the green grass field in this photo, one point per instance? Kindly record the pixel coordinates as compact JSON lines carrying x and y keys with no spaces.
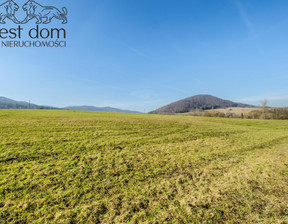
{"x":87,"y":167}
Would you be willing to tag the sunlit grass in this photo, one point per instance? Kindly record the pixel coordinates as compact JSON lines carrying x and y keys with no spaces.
{"x":87,"y":167}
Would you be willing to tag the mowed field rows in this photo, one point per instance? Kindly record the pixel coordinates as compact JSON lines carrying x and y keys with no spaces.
{"x":89,"y":167}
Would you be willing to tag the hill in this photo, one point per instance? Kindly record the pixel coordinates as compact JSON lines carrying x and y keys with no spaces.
{"x":100,"y":109}
{"x":6,"y":103}
{"x":200,"y":102}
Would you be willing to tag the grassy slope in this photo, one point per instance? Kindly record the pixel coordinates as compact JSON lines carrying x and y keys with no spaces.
{"x":87,"y":167}
{"x":237,"y":110}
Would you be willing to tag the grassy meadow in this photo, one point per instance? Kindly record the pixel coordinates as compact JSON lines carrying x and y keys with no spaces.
{"x":237,"y":110}
{"x":90,"y":167}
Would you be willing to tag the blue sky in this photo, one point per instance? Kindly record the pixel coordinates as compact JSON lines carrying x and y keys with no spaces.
{"x":143,"y":54}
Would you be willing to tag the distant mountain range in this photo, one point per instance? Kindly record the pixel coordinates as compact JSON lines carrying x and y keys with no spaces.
{"x":6,"y":103}
{"x":198,"y":102}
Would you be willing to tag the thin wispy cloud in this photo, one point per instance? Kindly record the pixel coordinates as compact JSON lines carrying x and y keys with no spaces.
{"x":138,"y":52}
{"x":250,"y":26}
{"x":276,"y":26}
{"x":246,"y":18}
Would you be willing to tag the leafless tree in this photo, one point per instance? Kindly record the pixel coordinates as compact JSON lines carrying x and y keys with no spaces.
{"x":264,"y":107}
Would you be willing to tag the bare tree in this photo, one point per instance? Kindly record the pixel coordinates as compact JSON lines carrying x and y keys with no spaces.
{"x":264,"y":107}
